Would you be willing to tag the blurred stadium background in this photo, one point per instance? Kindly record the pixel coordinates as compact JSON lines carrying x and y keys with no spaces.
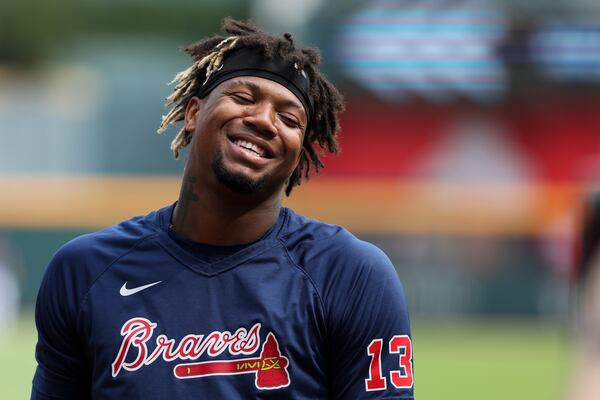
{"x":471,"y":133}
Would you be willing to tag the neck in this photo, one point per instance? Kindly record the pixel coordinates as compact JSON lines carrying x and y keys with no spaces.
{"x":220,"y":216}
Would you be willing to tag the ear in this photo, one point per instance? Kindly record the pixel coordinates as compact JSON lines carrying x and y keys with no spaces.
{"x":191,"y":114}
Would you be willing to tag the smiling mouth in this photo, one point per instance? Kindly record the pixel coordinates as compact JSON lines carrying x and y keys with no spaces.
{"x":251,"y":148}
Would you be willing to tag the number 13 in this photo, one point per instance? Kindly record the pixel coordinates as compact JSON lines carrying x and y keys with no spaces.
{"x":400,"y":379}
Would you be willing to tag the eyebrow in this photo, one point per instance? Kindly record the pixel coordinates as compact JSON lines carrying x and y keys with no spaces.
{"x":286,"y":103}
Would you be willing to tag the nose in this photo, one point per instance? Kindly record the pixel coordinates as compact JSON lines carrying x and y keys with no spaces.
{"x":262,"y":119}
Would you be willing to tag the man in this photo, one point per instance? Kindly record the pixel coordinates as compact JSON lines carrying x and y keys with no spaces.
{"x":584,"y":383}
{"x":226,"y":294}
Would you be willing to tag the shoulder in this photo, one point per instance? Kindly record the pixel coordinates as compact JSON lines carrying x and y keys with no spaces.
{"x":109,"y":242}
{"x":355,"y":280}
{"x":80,"y":261}
{"x":314,"y":244}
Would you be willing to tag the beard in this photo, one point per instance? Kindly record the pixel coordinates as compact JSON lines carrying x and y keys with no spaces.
{"x":237,"y":182}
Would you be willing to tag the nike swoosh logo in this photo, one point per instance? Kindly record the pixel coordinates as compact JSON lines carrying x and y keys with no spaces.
{"x":128,"y":292}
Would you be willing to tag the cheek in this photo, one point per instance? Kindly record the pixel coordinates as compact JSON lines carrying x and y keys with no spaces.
{"x":204,"y":141}
{"x":295,"y":143}
{"x":294,"y":154}
{"x":301,"y":149}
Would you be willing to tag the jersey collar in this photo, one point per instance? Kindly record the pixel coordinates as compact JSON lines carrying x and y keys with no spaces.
{"x":219,"y":266}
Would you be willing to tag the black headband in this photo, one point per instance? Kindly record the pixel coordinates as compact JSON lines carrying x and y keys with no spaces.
{"x":249,"y":61}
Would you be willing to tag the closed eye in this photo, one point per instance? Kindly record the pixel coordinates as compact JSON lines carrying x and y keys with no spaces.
{"x":242,"y":98}
{"x":289,"y":121}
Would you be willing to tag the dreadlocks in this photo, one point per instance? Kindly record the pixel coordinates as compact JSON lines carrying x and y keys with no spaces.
{"x":208,"y":55}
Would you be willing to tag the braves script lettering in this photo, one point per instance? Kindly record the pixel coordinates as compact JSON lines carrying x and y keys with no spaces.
{"x":138,"y":331}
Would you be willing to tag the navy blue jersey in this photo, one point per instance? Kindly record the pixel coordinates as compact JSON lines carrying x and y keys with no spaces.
{"x":307,"y":312}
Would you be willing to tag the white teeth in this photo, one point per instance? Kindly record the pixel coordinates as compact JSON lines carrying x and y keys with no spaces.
{"x":250,"y":146}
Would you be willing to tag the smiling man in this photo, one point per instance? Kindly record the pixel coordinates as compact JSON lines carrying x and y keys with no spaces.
{"x":226,"y":294}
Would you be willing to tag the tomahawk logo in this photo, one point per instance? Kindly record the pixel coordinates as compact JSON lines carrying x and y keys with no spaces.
{"x":270,"y":368}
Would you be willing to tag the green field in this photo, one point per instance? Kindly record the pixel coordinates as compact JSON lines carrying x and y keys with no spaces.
{"x":16,"y":359}
{"x":490,"y":360}
{"x":477,"y":360}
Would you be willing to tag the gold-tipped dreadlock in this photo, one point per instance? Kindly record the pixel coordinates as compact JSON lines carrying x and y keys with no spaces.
{"x":208,"y":55}
{"x":187,"y":83}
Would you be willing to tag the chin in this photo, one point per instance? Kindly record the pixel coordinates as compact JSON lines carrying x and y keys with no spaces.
{"x":238,"y":182}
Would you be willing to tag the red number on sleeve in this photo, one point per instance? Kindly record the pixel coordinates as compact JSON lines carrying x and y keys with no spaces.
{"x":402,"y":379}
{"x":375,"y":381}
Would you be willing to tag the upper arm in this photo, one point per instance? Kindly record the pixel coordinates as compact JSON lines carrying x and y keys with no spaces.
{"x":62,"y":371}
{"x":369,"y":329}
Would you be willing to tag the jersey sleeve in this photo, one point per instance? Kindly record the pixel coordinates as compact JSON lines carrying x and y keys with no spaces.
{"x":62,"y":371}
{"x":368,"y":327}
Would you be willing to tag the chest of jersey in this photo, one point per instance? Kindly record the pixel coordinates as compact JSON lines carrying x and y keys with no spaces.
{"x":249,"y":327}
